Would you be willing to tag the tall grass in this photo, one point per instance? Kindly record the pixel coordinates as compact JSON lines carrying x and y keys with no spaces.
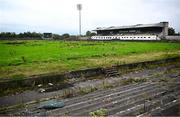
{"x":71,"y":55}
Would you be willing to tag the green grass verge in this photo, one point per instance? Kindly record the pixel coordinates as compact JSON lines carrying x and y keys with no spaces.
{"x":28,"y":58}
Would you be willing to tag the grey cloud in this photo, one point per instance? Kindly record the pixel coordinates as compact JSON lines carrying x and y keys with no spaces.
{"x":61,"y":16}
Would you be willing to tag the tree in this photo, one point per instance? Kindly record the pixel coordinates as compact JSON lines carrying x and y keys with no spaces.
{"x":88,"y":33}
{"x":66,"y":35}
{"x":93,"y":34}
{"x":8,"y":35}
{"x":171,"y":31}
{"x":37,"y":35}
{"x":57,"y":36}
{"x":20,"y":35}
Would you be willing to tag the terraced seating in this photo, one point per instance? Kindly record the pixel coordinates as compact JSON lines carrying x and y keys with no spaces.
{"x":117,"y":102}
{"x":139,"y":99}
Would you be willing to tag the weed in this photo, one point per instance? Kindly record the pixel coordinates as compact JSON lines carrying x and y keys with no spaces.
{"x":23,"y":59}
{"x":12,"y":52}
{"x":18,"y":77}
{"x":141,"y":111}
{"x":67,"y":93}
{"x":92,"y":89}
{"x":133,"y":80}
{"x":3,"y":110}
{"x":86,"y":90}
{"x":163,"y":80}
{"x":99,"y":113}
{"x":15,"y":90}
{"x":107,"y":85}
{"x":177,"y":107}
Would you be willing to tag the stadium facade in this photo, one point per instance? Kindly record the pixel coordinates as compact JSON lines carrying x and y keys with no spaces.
{"x":156,"y":31}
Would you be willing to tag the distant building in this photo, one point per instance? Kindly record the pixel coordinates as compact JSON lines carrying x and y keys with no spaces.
{"x":155,"y":31}
{"x":47,"y":35}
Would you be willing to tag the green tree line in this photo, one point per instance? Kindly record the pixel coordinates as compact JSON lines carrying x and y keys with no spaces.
{"x":11,"y":35}
{"x":20,"y":35}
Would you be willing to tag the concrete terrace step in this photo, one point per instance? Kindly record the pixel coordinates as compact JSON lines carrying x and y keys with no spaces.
{"x":99,"y":95}
{"x":84,"y":110}
{"x":114,"y":106}
{"x":107,"y":106}
{"x":155,"y":103}
{"x":112,"y":95}
{"x":111,"y":72}
{"x":102,"y":102}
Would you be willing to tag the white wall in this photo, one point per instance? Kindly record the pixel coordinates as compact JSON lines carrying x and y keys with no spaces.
{"x":136,"y":37}
{"x":173,"y":38}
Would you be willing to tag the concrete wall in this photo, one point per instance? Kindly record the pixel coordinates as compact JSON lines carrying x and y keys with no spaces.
{"x":85,"y":38}
{"x":173,"y":38}
{"x":60,"y":78}
{"x":48,"y":78}
{"x":164,"y":32}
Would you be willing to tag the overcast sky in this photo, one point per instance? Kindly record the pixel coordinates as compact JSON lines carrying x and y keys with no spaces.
{"x":61,"y":16}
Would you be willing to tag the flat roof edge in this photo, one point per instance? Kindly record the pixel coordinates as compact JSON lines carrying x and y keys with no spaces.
{"x":161,"y":24}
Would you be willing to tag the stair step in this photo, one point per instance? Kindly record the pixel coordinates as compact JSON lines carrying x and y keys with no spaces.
{"x":111,"y":72}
